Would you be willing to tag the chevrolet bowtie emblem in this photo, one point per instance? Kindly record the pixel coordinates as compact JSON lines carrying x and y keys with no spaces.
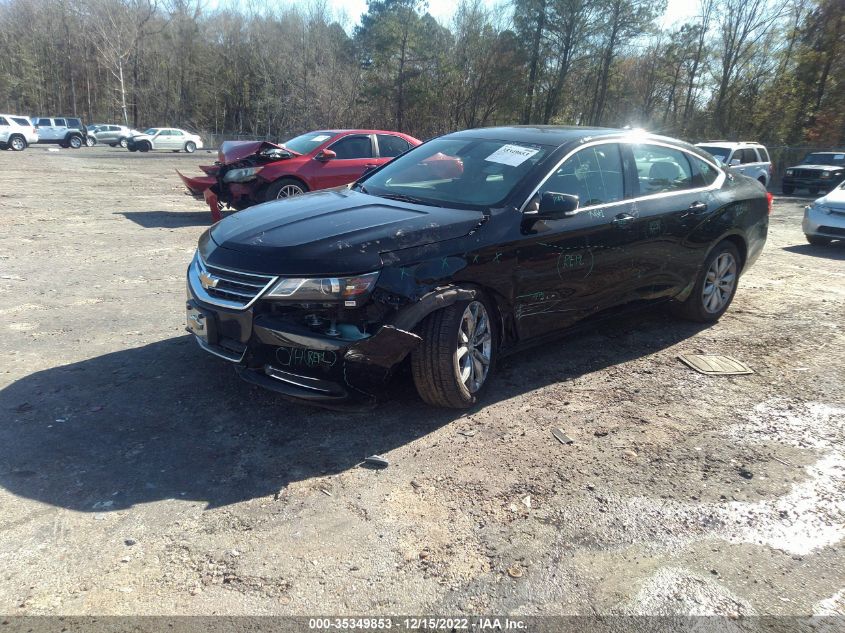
{"x":208,"y":281}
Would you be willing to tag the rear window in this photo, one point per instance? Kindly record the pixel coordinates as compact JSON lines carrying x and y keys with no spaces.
{"x":74,"y":123}
{"x":389,"y":145}
{"x":20,"y":121}
{"x":746,"y":155}
{"x":3,"y":121}
{"x":764,"y":154}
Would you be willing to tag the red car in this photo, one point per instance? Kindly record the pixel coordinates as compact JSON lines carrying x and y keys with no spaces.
{"x":249,"y":172}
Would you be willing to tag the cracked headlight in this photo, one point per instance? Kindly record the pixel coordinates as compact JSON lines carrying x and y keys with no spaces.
{"x":324,"y":289}
{"x":241,"y":175}
{"x":819,"y":207}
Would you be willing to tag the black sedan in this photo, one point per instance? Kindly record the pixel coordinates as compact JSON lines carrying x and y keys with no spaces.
{"x":469,"y":246}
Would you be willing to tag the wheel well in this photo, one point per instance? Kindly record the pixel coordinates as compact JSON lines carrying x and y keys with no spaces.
{"x":287,"y":177}
{"x":741,"y":246}
{"x":763,"y":180}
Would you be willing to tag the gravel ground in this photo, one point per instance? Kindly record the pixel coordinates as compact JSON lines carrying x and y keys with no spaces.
{"x":139,"y":476}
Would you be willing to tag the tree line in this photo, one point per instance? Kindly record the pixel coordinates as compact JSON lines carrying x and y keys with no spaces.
{"x":767,"y":70}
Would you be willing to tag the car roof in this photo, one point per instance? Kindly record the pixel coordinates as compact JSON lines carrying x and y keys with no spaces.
{"x":842,"y":151}
{"x":732,"y":143}
{"x":537,"y":134}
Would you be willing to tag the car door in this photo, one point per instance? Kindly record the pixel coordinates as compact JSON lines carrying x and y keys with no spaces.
{"x":46,"y":131}
{"x":576,"y":266}
{"x":672,"y":197}
{"x":177,"y":139}
{"x":5,"y":129}
{"x":59,"y":129}
{"x":355,"y":154}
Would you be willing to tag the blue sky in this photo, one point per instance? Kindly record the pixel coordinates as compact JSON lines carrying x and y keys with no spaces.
{"x":349,"y":11}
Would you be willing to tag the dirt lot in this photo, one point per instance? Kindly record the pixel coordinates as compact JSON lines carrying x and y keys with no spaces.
{"x":139,"y":475}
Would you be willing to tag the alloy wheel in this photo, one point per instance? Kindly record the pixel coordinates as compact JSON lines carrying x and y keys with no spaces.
{"x":474,"y":347}
{"x":720,"y":283}
{"x":17,"y":144}
{"x":288,"y":191}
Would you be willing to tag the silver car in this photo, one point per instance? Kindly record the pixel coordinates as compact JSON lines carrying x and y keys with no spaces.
{"x":113,"y":135}
{"x":824,"y":220}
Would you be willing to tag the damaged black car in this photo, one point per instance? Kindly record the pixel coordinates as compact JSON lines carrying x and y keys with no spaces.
{"x":470,"y":246}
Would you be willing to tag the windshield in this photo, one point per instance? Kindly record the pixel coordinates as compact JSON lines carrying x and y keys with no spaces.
{"x":306,"y":143}
{"x":467,"y":173}
{"x":721,"y":153}
{"x":152,"y":131}
{"x":824,"y":159}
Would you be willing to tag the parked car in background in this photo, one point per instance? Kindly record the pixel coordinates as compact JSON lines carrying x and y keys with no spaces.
{"x":64,"y":131}
{"x":16,"y":132}
{"x":321,"y":297}
{"x":113,"y":135}
{"x":171,"y":138}
{"x":249,"y":172}
{"x":816,"y":172}
{"x":824,"y":219}
{"x":749,"y":159}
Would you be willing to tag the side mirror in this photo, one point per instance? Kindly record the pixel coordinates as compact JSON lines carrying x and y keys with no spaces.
{"x":735,"y":162}
{"x":554,"y":206}
{"x":326,"y":155}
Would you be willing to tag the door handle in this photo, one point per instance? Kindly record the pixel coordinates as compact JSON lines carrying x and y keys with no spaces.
{"x":698,"y":207}
{"x":623,"y":220}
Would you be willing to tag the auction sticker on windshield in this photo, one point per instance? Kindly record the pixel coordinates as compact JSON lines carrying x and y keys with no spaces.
{"x":512,"y":155}
{"x":320,"y":138}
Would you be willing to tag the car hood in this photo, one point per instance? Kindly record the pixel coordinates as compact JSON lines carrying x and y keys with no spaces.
{"x":329,"y":233}
{"x":834,"y":199}
{"x":233,"y":151}
{"x":821,"y":167}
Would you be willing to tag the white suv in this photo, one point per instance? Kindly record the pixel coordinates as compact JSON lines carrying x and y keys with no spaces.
{"x":749,"y":159}
{"x":16,"y":132}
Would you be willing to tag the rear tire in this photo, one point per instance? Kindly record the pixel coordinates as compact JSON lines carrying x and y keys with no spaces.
{"x":17,"y":143}
{"x":817,"y":240}
{"x":715,"y":287}
{"x":190,"y":147}
{"x":75,"y":141}
{"x":449,"y":365}
{"x":788,"y":190}
{"x":285,"y":188}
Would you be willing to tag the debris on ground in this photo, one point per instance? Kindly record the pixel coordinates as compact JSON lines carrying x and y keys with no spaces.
{"x":562,"y":437}
{"x":515,"y":571}
{"x":715,"y":364}
{"x":376,"y":461}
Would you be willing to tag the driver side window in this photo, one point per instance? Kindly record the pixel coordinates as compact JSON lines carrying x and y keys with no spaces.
{"x":594,"y":174}
{"x":353,"y":147}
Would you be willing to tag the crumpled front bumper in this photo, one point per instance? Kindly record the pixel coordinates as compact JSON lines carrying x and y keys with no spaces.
{"x":820,"y":224}
{"x":296,"y":362}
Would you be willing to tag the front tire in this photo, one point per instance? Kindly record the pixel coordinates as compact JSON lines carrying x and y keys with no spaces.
{"x":90,"y":141}
{"x":123,"y":143}
{"x":715,"y":287}
{"x":190,"y":147}
{"x":285,"y":188}
{"x":817,"y":240}
{"x":145,"y":146}
{"x":452,"y":365}
{"x":788,"y":189}
{"x":17,"y":143}
{"x":814,"y":191}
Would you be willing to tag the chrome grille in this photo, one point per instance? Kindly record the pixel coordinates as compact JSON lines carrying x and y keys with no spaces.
{"x":225,"y":287}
